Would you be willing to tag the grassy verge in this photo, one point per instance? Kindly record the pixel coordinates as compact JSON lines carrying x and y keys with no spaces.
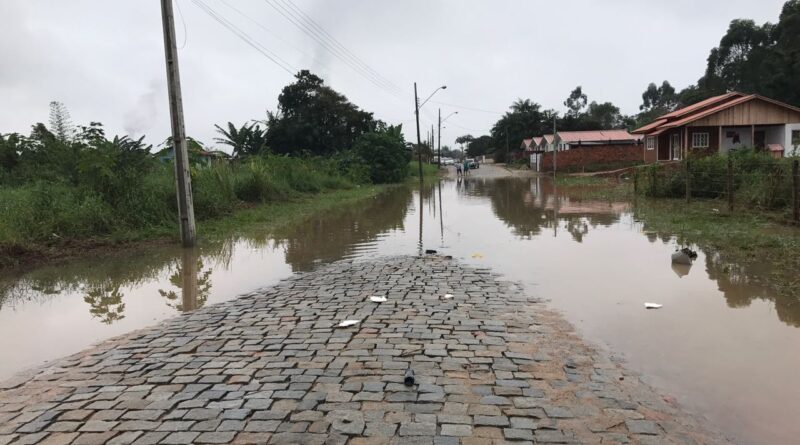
{"x":270,"y":215}
{"x":428,"y":170}
{"x":593,"y":187}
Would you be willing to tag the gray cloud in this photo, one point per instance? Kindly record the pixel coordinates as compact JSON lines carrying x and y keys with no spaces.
{"x":101,"y":57}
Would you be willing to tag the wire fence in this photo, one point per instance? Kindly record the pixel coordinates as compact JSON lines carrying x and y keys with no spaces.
{"x":748,"y":181}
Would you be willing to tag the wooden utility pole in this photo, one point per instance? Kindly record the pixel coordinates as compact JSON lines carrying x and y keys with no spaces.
{"x":688,"y":182}
{"x":555,"y":149}
{"x":440,"y":139}
{"x":729,"y":183}
{"x":796,"y":191}
{"x":419,"y":140}
{"x":182,"y":178}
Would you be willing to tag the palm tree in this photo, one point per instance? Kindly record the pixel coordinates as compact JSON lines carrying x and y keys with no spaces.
{"x":249,"y":140}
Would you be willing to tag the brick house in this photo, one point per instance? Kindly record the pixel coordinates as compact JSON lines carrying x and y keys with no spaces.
{"x":723,"y":123}
{"x":581,"y":149}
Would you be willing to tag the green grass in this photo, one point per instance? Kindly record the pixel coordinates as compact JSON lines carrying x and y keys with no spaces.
{"x":277,"y":215}
{"x":265,"y":216}
{"x":428,"y":170}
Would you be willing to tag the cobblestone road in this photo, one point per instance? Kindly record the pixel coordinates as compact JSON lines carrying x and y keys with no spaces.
{"x":492,"y":366}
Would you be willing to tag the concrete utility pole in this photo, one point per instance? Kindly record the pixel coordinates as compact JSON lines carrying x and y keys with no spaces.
{"x":419,"y":140}
{"x":555,"y":148}
{"x":440,"y":139}
{"x":507,"y":146}
{"x":182,"y":178}
{"x":432,"y":139}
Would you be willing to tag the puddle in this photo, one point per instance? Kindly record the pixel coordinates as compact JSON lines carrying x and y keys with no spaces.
{"x":722,"y":343}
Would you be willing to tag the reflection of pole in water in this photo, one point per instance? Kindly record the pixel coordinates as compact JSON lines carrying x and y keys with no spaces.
{"x":555,"y":207}
{"x":419,"y":244}
{"x":441,"y":214}
{"x":189,"y":281}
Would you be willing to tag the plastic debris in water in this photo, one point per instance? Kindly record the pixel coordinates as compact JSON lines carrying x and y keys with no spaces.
{"x":430,"y":251}
{"x":477,"y":255}
{"x":448,"y":296}
{"x":348,"y":323}
{"x":653,"y":306}
{"x":377,"y":299}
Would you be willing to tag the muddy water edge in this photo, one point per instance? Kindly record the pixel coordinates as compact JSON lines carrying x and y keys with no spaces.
{"x":723,"y":344}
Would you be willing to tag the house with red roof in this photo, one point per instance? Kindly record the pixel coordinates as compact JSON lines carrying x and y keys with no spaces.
{"x":723,"y":123}
{"x":587,"y":148}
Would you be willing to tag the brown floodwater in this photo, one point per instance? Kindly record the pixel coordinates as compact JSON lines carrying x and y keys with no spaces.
{"x":723,"y":344}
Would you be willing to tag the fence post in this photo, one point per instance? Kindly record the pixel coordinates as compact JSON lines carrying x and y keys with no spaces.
{"x":653,"y":172}
{"x":730,"y":183}
{"x":796,"y":191}
{"x":688,"y":182}
{"x":635,"y":180}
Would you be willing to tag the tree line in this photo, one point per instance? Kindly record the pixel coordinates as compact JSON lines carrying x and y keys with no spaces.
{"x":750,"y":58}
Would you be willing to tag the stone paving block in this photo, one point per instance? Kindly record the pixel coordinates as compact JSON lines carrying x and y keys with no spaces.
{"x":493,"y":366}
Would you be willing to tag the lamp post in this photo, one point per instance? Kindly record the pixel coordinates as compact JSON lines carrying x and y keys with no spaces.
{"x":440,"y":133}
{"x":417,"y":106}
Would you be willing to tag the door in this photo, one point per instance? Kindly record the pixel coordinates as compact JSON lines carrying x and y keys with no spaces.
{"x":675,"y":146}
{"x":759,"y":139}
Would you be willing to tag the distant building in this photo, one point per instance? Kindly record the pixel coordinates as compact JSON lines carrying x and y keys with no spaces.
{"x":586,"y":148}
{"x":721,"y":124}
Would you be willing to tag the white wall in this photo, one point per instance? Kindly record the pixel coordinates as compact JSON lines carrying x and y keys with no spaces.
{"x":789,"y":149}
{"x":745,"y":138}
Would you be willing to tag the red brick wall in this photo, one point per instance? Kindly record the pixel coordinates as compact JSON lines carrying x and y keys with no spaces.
{"x":577,"y":158}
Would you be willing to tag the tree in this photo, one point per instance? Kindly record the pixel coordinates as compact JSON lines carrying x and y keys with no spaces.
{"x":248,"y":140}
{"x":480,"y":146}
{"x":604,"y":116}
{"x":314,"y":118}
{"x":384,"y":153}
{"x":60,"y":122}
{"x":523,"y":120}
{"x":576,"y":102}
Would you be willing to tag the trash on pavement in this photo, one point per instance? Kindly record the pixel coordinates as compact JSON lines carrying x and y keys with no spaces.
{"x":653,"y":306}
{"x":409,"y":378}
{"x":348,"y":323}
{"x":377,"y":299}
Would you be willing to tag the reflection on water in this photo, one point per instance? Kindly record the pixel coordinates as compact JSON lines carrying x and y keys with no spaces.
{"x":723,"y":342}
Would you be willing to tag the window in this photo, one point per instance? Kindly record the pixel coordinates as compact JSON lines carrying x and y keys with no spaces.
{"x":699,"y":140}
{"x":795,"y":137}
{"x":651,"y":143}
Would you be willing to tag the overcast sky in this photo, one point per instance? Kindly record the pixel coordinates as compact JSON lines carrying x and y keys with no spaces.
{"x":104,"y":58}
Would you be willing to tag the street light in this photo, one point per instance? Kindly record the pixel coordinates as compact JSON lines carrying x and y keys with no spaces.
{"x":417,"y":106}
{"x":439,"y":160}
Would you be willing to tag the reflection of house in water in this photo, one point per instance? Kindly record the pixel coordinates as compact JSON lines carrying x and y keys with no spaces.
{"x":533,"y":205}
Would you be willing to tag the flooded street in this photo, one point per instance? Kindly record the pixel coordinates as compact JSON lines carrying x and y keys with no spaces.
{"x":723,"y":344}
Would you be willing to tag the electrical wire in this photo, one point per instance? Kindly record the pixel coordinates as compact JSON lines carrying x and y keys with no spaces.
{"x":353,"y":57}
{"x":183,"y":22}
{"x":277,"y":60}
{"x":310,"y":32}
{"x":260,"y":25}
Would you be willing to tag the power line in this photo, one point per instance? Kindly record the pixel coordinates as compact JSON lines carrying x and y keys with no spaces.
{"x":260,"y":25}
{"x":481,"y":110}
{"x":246,"y":38}
{"x":338,"y":44}
{"x":292,"y":18}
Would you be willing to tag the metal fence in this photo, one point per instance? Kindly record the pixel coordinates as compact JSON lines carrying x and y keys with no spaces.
{"x":760,"y":183}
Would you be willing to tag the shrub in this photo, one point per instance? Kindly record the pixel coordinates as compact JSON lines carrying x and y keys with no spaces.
{"x":384,"y":154}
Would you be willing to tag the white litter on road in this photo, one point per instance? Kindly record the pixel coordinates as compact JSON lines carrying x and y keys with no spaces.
{"x":653,"y":306}
{"x":348,"y":323}
{"x":377,"y":299}
{"x":448,"y":296}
